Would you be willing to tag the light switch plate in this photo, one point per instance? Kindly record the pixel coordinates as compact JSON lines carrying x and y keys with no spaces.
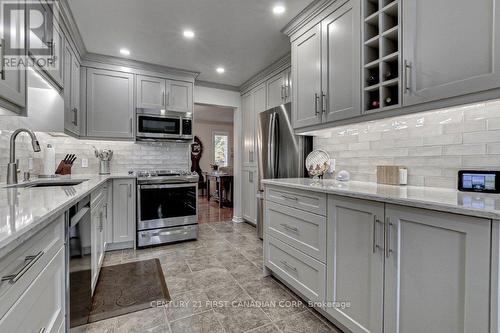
{"x":85,"y":162}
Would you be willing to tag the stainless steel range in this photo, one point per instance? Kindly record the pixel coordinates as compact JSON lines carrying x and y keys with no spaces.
{"x":167,"y":206}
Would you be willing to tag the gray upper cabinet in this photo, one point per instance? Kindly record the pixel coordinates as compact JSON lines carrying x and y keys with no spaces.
{"x":450,"y":48}
{"x":279,"y":89}
{"x":306,"y":78}
{"x":150,"y":92}
{"x":13,"y":82}
{"x":248,"y":130}
{"x":110,"y":104}
{"x":341,"y":61}
{"x":179,"y":96}
{"x":72,"y":110}
{"x":56,"y":72}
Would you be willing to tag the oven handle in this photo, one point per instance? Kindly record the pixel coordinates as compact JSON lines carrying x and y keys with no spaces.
{"x":167,"y":186}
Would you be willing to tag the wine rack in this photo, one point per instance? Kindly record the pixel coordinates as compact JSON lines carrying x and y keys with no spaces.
{"x":381,"y":74}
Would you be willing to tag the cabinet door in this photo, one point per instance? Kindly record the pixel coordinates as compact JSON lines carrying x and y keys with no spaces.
{"x":150,"y":92}
{"x":249,"y":201}
{"x":13,"y":81}
{"x":110,"y":104}
{"x":56,"y":72}
{"x":259,"y":100}
{"x":341,"y":63}
{"x":450,"y":48}
{"x":248,"y":120}
{"x":109,"y":214}
{"x":71,"y":91}
{"x":355,"y":262}
{"x":123,"y":210}
{"x":306,"y":77}
{"x":437,"y":272}
{"x":180,"y":96}
{"x":276,"y":90}
{"x":42,"y":306}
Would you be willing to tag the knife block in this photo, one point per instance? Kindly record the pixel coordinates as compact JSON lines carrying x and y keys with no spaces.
{"x":63,"y":168}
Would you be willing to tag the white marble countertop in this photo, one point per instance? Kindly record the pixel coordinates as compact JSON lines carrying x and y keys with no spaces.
{"x":25,"y":211}
{"x":440,"y":199}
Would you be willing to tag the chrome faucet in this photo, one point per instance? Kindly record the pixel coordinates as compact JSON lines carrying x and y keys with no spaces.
{"x":12,"y":167}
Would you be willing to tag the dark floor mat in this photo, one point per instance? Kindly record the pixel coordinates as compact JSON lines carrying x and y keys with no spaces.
{"x":128,"y":288}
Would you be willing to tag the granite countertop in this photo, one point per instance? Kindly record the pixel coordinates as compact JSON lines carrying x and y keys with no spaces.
{"x":25,"y":211}
{"x":439,"y":199}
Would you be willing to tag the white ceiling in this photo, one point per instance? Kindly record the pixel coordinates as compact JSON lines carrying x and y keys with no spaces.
{"x":241,"y":35}
{"x":209,"y":113}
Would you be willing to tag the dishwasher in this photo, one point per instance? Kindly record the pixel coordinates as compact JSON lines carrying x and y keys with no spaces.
{"x":78,"y":264}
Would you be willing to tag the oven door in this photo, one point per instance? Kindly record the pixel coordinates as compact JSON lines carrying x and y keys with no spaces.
{"x":166,"y":205}
{"x":150,"y":126}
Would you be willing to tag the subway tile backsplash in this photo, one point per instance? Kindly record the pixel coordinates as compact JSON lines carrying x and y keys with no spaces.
{"x":127,"y":155}
{"x":433,"y":145}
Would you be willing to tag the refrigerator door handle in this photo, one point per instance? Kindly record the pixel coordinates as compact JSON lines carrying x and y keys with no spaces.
{"x":271,"y":147}
{"x":276,"y":142}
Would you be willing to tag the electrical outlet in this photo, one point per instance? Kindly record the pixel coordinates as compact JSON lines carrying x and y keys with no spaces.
{"x":85,"y":162}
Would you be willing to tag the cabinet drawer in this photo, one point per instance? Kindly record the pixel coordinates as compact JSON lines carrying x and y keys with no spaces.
{"x":26,"y":262}
{"x":302,"y":230}
{"x":305,"y":200}
{"x":302,"y":272}
{"x":41,"y":308}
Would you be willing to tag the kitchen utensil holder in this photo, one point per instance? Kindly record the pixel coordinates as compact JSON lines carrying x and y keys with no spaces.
{"x":64,"y":168}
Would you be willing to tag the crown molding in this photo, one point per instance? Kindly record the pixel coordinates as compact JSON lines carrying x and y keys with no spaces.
{"x":305,"y":16}
{"x":273,"y":69}
{"x":94,"y":59}
{"x":216,"y":85}
{"x":71,"y":27}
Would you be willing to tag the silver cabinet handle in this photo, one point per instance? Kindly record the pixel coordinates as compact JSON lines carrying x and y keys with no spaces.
{"x":407,"y":76}
{"x":130,"y":125}
{"x":323,"y":102}
{"x":163,"y":98}
{"x":289,"y":197}
{"x":286,"y":226}
{"x":42,"y":330}
{"x":250,"y":156}
{"x":316,"y":100}
{"x":287,"y":265}
{"x":129,"y":190}
{"x":29,"y":262}
{"x":75,"y":116}
{"x":2,"y":56}
{"x":168,"y":98}
{"x":250,"y":177}
{"x":388,"y":226}
{"x":375,"y":222}
{"x":282,"y":86}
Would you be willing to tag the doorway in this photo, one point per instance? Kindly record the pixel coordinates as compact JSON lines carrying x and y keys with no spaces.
{"x":214,"y":130}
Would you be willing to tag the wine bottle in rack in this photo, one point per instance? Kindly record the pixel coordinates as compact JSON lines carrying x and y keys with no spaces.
{"x":371,"y":80}
{"x":375,"y":104}
{"x":388,"y":75}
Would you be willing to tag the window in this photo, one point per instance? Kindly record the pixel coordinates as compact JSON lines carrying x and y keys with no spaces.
{"x":221,"y":148}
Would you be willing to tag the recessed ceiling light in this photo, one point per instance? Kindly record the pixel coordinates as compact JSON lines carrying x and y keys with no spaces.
{"x":188,"y":33}
{"x":278,"y":9}
{"x":125,"y":52}
{"x":220,"y":70}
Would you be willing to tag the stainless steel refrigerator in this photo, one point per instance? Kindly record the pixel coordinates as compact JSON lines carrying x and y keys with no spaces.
{"x":280,"y":153}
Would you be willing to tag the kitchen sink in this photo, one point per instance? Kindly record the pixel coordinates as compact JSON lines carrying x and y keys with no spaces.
{"x":48,"y":183}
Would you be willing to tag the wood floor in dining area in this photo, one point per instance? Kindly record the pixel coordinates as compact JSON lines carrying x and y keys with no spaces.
{"x":209,"y":211}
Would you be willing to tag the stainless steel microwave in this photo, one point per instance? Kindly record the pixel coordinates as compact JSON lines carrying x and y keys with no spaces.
{"x":158,"y":125}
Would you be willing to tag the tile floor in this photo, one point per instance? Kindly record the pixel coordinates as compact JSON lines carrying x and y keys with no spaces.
{"x":223,"y":267}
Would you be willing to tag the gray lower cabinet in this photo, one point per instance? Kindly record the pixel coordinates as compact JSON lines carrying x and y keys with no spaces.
{"x":249,"y":194}
{"x":124,"y":210}
{"x":450,"y":48}
{"x":355,"y":267}
{"x":279,"y":89}
{"x":437,"y":272}
{"x":110,"y":104}
{"x":72,"y":109}
{"x":306,"y":78}
{"x":98,"y":228}
{"x":34,"y":300}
